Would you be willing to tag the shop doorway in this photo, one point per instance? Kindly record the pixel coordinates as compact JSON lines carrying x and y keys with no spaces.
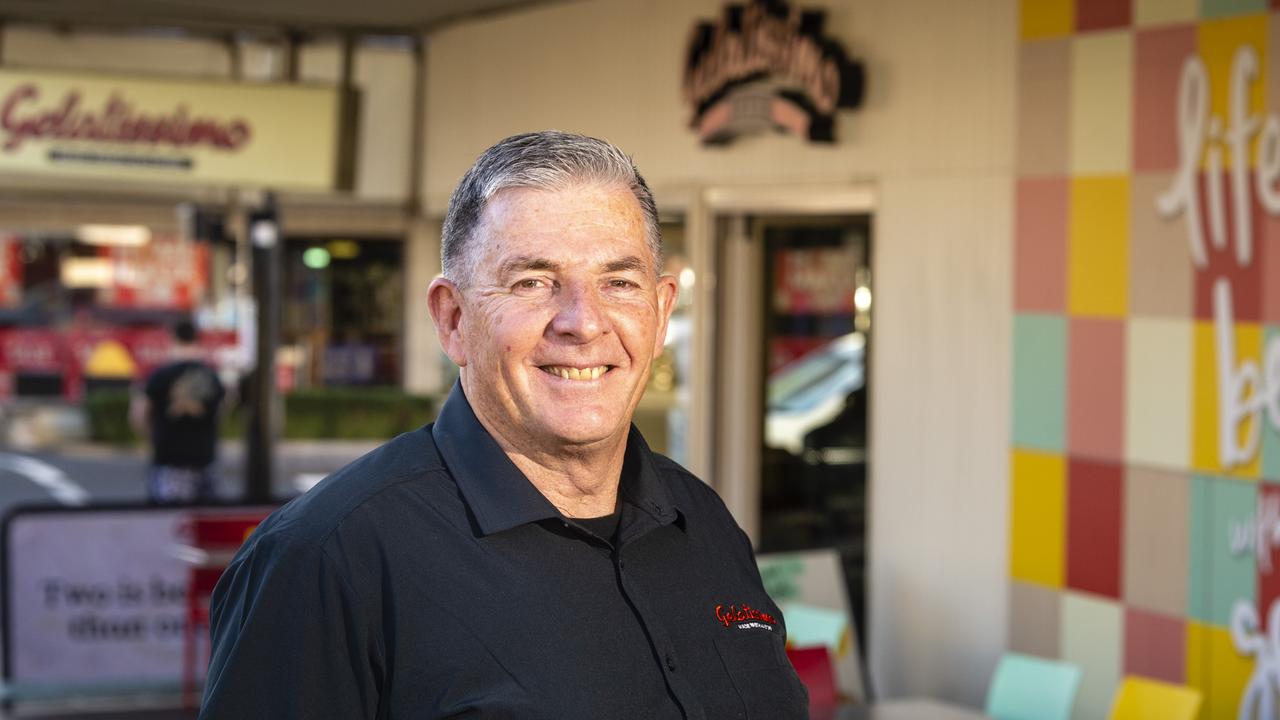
{"x":343,"y":316}
{"x":793,"y":338}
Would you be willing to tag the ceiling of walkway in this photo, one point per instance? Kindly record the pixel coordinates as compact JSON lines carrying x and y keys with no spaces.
{"x":391,"y":16}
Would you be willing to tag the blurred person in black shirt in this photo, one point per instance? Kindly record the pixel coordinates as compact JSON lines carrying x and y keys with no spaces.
{"x":178,"y":410}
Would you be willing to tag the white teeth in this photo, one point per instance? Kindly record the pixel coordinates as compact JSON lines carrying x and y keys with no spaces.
{"x":573,"y":373}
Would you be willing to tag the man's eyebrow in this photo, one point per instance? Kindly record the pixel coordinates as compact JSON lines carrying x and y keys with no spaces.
{"x":630,"y":263}
{"x":522,"y":263}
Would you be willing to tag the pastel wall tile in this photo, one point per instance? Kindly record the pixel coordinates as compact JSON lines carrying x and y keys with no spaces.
{"x":1270,"y":431}
{"x":1099,"y":246}
{"x":1095,"y":388}
{"x":1044,"y":70}
{"x":1207,"y":453}
{"x":1046,"y":18}
{"x":1158,"y":396}
{"x":1039,"y":381}
{"x":1037,"y":520}
{"x":1232,"y":571}
{"x":1163,"y":12}
{"x":1226,"y":8}
{"x":1197,"y":655}
{"x":1157,"y":519}
{"x":1034,"y":616}
{"x":1040,"y":244}
{"x":1158,"y":57}
{"x":1161,"y":276}
{"x":1219,"y":40}
{"x":1246,"y":280}
{"x":1101,"y":103}
{"x":1200,"y":547}
{"x":1155,"y":646}
{"x":1228,"y":673}
{"x":1095,"y":519}
{"x":1103,"y":14}
{"x":1092,"y":633}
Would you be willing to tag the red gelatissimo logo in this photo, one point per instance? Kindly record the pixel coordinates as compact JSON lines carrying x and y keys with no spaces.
{"x":741,"y":614}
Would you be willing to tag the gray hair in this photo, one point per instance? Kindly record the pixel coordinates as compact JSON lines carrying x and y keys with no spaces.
{"x":547,"y":160}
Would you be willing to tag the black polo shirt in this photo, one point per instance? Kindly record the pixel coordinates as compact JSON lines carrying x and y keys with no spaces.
{"x":430,"y":579}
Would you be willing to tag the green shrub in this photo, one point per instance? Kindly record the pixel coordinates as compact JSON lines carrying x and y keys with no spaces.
{"x":320,"y":413}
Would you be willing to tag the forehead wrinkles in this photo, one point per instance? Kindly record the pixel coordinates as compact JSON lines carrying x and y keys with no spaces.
{"x":535,"y":222}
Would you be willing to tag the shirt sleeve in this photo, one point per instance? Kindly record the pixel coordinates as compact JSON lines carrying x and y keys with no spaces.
{"x":288,"y":638}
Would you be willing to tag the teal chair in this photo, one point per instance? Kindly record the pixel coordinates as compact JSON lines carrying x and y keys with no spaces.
{"x":1032,"y":688}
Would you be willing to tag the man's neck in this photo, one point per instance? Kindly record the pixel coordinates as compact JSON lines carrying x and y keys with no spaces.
{"x":579,"y":484}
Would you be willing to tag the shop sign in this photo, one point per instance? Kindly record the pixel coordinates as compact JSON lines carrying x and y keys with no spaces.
{"x":766,"y":65}
{"x":214,"y":133}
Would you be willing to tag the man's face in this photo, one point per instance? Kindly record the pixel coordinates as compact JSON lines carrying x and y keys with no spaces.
{"x":562,"y":316}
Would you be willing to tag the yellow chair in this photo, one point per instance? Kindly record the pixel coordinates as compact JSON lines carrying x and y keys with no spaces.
{"x":1143,"y":699}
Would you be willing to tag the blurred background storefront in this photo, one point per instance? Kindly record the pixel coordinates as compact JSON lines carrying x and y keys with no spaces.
{"x":837,"y":367}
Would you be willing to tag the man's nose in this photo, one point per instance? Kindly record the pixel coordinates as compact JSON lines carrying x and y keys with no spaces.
{"x":579,"y":313}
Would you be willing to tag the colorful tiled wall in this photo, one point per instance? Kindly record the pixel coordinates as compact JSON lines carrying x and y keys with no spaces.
{"x":1145,"y":460}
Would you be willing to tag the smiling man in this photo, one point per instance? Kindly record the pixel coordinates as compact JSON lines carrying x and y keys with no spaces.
{"x":527,"y":555}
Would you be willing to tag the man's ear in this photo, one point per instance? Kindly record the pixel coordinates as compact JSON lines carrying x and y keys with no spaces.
{"x":444,"y":302}
{"x":668,"y":290}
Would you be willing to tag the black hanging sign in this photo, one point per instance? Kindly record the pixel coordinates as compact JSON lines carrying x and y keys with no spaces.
{"x":767,"y":66}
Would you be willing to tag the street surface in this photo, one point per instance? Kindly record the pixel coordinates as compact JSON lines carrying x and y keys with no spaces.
{"x":81,"y":474}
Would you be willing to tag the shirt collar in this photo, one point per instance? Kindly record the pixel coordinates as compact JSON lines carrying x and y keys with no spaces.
{"x":501,"y":497}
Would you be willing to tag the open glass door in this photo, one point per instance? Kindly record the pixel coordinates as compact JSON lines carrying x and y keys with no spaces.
{"x":816,"y":332}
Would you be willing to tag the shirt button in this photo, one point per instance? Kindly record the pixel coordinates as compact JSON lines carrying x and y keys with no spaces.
{"x":671,"y":662}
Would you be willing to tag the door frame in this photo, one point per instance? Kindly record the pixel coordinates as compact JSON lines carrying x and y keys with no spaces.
{"x":727,"y":336}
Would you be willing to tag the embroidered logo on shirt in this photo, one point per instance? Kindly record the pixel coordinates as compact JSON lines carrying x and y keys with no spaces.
{"x":745,"y":617}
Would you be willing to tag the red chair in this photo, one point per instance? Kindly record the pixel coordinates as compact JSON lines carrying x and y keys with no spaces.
{"x":210,"y":539}
{"x":813,"y":665}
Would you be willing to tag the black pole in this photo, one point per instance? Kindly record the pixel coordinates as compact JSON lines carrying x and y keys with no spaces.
{"x":264,"y":238}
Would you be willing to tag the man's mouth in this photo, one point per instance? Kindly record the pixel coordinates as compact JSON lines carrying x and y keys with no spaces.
{"x":575,"y":373}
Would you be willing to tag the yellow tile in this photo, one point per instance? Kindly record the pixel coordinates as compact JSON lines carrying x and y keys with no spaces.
{"x":1037,"y":519}
{"x":1205,"y":455}
{"x":1228,"y":673}
{"x":1047,"y":18}
{"x":1219,"y":40}
{"x":1163,"y":12}
{"x":1101,"y":103}
{"x":1099,"y":254}
{"x":1197,"y":662}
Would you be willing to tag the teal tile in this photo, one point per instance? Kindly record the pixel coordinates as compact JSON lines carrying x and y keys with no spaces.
{"x":1039,"y":381}
{"x":1227,"y":8}
{"x":1270,"y":433}
{"x":1198,"y":553}
{"x":1232,"y":575}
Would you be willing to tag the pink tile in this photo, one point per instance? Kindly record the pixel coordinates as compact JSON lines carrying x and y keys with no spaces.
{"x":1041,"y":245}
{"x":1095,"y":388}
{"x":1158,"y":56}
{"x":1155,"y":646}
{"x":1103,"y":14}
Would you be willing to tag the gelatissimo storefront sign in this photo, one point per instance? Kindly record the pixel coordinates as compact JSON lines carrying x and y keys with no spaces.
{"x":768,"y":66}
{"x":102,"y":126}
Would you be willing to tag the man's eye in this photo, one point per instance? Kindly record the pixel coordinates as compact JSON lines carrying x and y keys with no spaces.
{"x":528,"y":284}
{"x":620,"y":284}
